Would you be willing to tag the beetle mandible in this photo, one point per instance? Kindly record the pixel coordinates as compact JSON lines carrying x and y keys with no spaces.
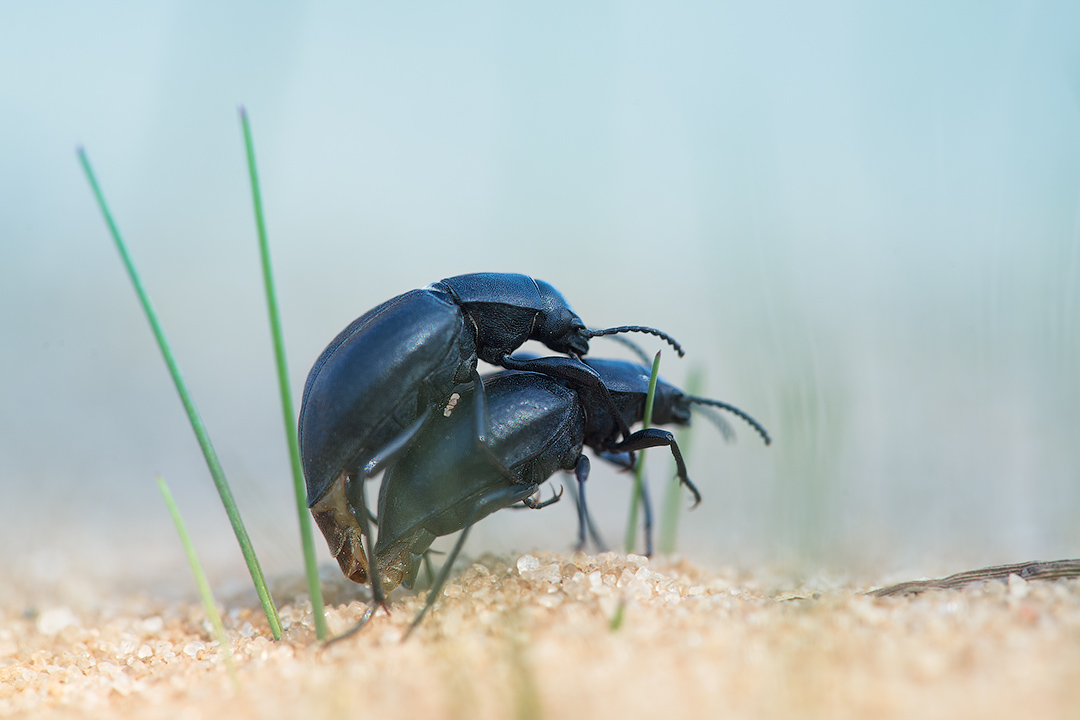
{"x":379,"y":381}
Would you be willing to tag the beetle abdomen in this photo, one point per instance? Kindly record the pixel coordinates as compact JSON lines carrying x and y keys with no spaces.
{"x":438,"y":485}
{"x":375,"y":378}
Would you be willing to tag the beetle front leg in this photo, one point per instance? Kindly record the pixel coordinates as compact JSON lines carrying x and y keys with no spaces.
{"x":655,"y":437}
{"x":646,"y":506}
{"x":573,"y":371}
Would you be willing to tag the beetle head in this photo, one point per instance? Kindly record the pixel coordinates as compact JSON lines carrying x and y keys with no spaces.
{"x":670,"y":405}
{"x":559,"y":327}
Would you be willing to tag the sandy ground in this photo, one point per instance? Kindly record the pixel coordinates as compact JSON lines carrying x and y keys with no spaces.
{"x":532,"y":637}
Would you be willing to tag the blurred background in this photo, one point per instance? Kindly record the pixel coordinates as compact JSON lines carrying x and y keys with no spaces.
{"x":863,"y":222}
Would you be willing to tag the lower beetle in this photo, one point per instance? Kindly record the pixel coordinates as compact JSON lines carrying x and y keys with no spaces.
{"x":538,"y":426}
{"x":409,"y":359}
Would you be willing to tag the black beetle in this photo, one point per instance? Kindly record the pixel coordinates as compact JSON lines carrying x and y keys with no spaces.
{"x":380,"y":380}
{"x":538,"y":425}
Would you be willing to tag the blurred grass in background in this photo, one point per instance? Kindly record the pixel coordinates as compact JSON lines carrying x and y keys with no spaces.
{"x":868,"y":222}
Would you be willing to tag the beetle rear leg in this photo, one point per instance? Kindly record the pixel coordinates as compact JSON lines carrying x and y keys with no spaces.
{"x":585,"y":521}
{"x":357,"y":497}
{"x":535,"y":505}
{"x":358,"y":505}
{"x":483,"y":423}
{"x":501,"y":498}
{"x":428,"y":572}
{"x":394,"y":449}
{"x":364,"y":619}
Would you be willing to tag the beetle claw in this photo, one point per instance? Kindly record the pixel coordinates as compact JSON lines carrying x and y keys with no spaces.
{"x":536,"y":505}
{"x":364,"y":620}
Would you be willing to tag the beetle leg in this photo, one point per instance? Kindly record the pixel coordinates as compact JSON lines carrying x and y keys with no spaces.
{"x":585,"y":521}
{"x":655,"y":437}
{"x":393,"y":449}
{"x":646,"y":502}
{"x":480,"y":409}
{"x":427,"y":566}
{"x":358,"y":505}
{"x":483,"y":422}
{"x":583,"y":378}
{"x":581,"y":472}
{"x":534,"y":505}
{"x":646,"y":505}
{"x":503,"y":497}
{"x":355,"y":628}
{"x":624,"y":461}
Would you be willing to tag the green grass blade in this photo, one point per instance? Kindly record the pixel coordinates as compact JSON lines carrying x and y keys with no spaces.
{"x":620,"y":614}
{"x":189,"y":405}
{"x":639,"y":471}
{"x":673,"y":495}
{"x":200,"y":580}
{"x":307,"y":539}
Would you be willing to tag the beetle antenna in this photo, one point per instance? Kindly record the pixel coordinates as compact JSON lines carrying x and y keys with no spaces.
{"x":734,"y":411}
{"x":718,"y":420}
{"x":641,"y":329}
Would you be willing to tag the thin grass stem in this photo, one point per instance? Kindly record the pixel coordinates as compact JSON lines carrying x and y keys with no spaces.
{"x":673,"y":495}
{"x":307,"y":539}
{"x":200,"y":580}
{"x":620,"y":614}
{"x":639,"y":470}
{"x":197,"y":426}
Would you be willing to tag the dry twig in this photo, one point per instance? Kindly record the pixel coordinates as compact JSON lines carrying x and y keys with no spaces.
{"x":1028,"y":571}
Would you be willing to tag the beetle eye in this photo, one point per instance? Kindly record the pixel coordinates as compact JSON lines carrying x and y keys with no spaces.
{"x":578,"y":339}
{"x":563,"y":331}
{"x":560,"y":328}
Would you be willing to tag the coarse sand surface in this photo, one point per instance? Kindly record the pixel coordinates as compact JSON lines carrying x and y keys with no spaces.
{"x":532,"y":637}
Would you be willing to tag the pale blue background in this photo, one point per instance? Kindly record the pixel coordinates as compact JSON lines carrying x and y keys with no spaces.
{"x":864,"y":221}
